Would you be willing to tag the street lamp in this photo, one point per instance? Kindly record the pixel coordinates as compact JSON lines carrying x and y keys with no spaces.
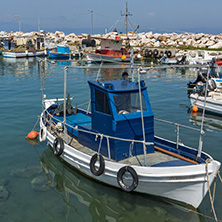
{"x":19,"y":18}
{"x":90,"y":10}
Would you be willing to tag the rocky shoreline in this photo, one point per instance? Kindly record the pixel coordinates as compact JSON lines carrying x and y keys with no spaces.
{"x":149,"y":39}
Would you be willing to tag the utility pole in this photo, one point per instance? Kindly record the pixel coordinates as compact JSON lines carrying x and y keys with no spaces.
{"x":19,"y":18}
{"x":38,"y":24}
{"x":90,"y":10}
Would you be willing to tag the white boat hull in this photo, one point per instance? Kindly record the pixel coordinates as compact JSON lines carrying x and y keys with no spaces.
{"x":186,"y":184}
{"x":96,"y":57}
{"x":24,"y":54}
{"x":212,"y":105}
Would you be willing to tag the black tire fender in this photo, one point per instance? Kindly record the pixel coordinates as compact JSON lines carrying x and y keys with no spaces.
{"x":168,"y":53}
{"x":100,"y":170}
{"x":58,"y":150}
{"x":155,"y":53}
{"x":133,"y":173}
{"x":150,"y":53}
{"x":146,"y":51}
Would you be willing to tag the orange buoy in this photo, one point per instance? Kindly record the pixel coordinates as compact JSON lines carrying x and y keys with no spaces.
{"x":123,"y":57}
{"x":194,"y":108}
{"x":32,"y":135}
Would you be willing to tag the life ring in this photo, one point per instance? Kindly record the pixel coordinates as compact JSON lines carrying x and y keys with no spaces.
{"x":42,"y":134}
{"x":58,"y":150}
{"x":155,"y":53}
{"x":133,"y":173}
{"x":100,"y":170}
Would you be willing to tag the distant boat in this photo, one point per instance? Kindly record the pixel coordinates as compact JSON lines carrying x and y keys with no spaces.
{"x":212,"y":88}
{"x":201,"y":57}
{"x":115,"y":144}
{"x":111,"y":51}
{"x":174,"y":61}
{"x":62,"y":52}
{"x":22,"y":47}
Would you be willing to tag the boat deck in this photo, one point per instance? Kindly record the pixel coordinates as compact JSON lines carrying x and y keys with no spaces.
{"x":156,"y":159}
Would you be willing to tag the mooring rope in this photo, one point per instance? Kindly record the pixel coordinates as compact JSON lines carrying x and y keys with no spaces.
{"x":36,"y":123}
{"x":208,"y":185}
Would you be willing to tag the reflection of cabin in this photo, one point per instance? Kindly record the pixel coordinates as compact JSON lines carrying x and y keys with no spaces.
{"x":115,"y":111}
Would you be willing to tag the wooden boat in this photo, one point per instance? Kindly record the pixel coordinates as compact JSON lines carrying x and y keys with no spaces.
{"x":22,"y":47}
{"x":26,"y":53}
{"x":111,"y":51}
{"x":62,"y":52}
{"x":115,"y":144}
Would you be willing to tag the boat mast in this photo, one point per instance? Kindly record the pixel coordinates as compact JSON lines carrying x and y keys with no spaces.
{"x":202,"y":122}
{"x":64,"y":106}
{"x":126,"y":14}
{"x":142,"y":120}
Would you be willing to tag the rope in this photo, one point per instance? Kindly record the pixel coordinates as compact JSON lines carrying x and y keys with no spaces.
{"x":101,"y":138}
{"x":208,"y":185}
{"x":219,"y":176}
{"x":36,"y":123}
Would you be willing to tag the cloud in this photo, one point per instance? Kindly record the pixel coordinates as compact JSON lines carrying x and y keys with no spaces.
{"x":151,"y":14}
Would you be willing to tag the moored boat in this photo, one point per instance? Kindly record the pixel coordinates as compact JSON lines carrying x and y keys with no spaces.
{"x":25,"y":46}
{"x":62,"y":52}
{"x":111,"y":51}
{"x":115,"y":144}
{"x":213,"y":103}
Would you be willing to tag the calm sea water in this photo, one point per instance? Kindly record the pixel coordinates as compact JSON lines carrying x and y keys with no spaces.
{"x":37,"y":186}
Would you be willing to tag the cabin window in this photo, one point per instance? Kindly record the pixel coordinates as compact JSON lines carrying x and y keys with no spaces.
{"x":101,"y":102}
{"x":129,"y":102}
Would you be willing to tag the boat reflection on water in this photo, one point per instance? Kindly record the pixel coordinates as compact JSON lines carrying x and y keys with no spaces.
{"x":105,"y":203}
{"x":211,"y":122}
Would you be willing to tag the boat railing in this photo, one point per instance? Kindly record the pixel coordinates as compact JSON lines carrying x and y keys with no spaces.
{"x":52,"y":121}
{"x":177,"y":125}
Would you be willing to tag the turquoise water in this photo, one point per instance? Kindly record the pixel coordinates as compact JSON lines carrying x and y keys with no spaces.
{"x":37,"y":186}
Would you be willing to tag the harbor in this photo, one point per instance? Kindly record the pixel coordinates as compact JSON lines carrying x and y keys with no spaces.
{"x":40,"y":180}
{"x":120,"y":125}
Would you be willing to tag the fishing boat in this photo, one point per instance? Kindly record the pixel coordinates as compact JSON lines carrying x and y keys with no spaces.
{"x":200,"y":57}
{"x":111,"y":51}
{"x":62,"y":52}
{"x":213,"y":101}
{"x":215,"y":74}
{"x":174,"y":61}
{"x":116,"y":145}
{"x":21,"y":47}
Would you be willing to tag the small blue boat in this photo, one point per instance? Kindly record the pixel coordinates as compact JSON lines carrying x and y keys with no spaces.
{"x":62,"y":52}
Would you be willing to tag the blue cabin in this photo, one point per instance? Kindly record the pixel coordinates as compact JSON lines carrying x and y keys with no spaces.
{"x":115,"y":111}
{"x":63,"y":49}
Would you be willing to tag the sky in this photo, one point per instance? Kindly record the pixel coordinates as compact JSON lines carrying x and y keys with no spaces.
{"x":72,"y":16}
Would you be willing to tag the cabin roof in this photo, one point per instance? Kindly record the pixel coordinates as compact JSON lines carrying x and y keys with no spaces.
{"x":118,"y":86}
